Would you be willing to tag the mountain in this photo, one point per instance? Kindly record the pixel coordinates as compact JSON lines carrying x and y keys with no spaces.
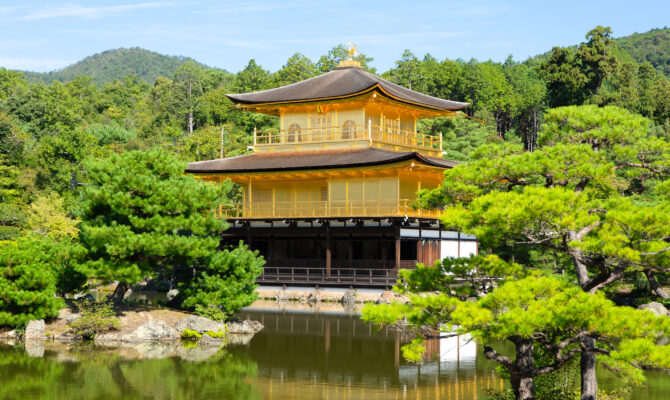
{"x":116,"y":64}
{"x":652,"y":46}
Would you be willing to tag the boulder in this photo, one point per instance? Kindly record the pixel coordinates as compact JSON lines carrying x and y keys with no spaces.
{"x":208,"y":340}
{"x":72,"y":318}
{"x":84,"y":296}
{"x":655,"y":307}
{"x":314,"y":297}
{"x":386,"y":297}
{"x":199,"y":324}
{"x":153,"y":330}
{"x":349,"y":297}
{"x":172,"y":294}
{"x":247,"y":327}
{"x":35,"y":330}
{"x":9,"y":335}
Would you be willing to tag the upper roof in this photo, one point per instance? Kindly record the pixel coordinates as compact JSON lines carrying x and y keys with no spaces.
{"x":343,"y":82}
{"x":323,"y":159}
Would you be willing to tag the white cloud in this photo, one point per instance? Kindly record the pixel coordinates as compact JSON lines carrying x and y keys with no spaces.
{"x":89,"y":12}
{"x":33,"y":64}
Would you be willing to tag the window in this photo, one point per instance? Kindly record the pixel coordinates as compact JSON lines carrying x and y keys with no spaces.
{"x":348,"y":130}
{"x":320,"y":126}
{"x":391,"y":125}
{"x":294,"y":134}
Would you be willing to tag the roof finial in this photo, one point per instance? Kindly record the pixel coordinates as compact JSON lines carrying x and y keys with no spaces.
{"x":349,"y":61}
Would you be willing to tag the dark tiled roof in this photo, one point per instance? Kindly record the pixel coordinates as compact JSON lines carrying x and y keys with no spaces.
{"x":324,"y":159}
{"x":342,"y":82}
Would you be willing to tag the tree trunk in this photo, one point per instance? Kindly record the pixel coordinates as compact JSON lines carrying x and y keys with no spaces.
{"x":588,"y":369}
{"x":119,"y":292}
{"x":190,"y":122}
{"x":522,"y":381}
{"x":655,"y":286}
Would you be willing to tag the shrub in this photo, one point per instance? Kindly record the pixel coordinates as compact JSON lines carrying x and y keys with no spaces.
{"x":189,"y":334}
{"x":213,"y":313}
{"x":27,"y":285}
{"x":96,"y":317}
{"x":216,"y":335}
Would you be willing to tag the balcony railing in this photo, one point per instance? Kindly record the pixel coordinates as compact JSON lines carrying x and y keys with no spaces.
{"x":371,"y":132}
{"x":326,"y":209}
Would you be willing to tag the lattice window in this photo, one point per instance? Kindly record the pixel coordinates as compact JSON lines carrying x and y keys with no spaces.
{"x":349,"y":130}
{"x":294,"y":134}
{"x":320,"y":126}
{"x":391,"y":125}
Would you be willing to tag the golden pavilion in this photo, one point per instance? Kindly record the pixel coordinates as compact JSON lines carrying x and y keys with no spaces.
{"x":328,"y":197}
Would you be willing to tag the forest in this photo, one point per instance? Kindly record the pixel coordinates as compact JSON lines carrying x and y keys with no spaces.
{"x":91,"y":173}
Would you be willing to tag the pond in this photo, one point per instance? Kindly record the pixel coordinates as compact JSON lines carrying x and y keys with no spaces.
{"x":330,"y":354}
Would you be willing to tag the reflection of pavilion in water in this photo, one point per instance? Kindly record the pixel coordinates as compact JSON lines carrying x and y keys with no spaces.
{"x":342,"y":357}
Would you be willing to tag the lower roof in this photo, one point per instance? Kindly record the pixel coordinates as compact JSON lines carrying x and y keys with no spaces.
{"x":303,"y":160}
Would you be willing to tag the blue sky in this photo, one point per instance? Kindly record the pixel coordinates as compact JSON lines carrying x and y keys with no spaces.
{"x":46,"y":35}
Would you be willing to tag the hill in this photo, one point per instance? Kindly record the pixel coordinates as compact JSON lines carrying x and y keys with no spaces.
{"x":116,"y":64}
{"x":652,"y":46}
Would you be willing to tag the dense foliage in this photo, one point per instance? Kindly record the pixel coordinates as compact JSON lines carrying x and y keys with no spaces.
{"x":589,"y":204}
{"x":27,"y":283}
{"x":143,"y":216}
{"x":652,"y":47}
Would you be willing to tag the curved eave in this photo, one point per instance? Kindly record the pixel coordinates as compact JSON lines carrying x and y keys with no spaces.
{"x":376,"y":86}
{"x":405,"y":157}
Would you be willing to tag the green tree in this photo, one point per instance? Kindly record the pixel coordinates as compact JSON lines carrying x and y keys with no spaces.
{"x":252,"y":78}
{"x":27,"y":284}
{"x":142,"y":216}
{"x":297,"y":68}
{"x":332,"y":59}
{"x":589,"y":202}
{"x":188,"y":89}
{"x":597,"y":58}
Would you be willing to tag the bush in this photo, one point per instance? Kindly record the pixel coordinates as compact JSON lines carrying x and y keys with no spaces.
{"x":96,"y":317}
{"x":27,"y":285}
{"x":213,"y":313}
{"x":228,"y":283}
{"x":189,"y":334}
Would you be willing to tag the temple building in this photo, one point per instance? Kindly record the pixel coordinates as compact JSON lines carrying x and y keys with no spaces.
{"x":328,"y":198}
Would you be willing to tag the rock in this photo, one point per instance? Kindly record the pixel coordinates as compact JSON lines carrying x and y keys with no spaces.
{"x":84,"y":296}
{"x":128,"y":293}
{"x":283,"y":296}
{"x":67,"y":336}
{"x":199,"y":324}
{"x":8,"y":335}
{"x":247,"y":327}
{"x":72,"y":318}
{"x":206,"y":339}
{"x":655,"y":307}
{"x":386,"y":297}
{"x":153,"y":330}
{"x":314,"y":297}
{"x":35,"y":330}
{"x":172,"y":294}
{"x":349,"y":297}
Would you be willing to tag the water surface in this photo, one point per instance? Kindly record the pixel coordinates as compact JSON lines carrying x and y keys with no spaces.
{"x":299,"y":355}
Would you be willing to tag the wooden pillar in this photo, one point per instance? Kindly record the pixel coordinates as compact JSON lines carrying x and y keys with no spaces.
{"x":328,"y":252}
{"x":397,"y":252}
{"x":419,"y":251}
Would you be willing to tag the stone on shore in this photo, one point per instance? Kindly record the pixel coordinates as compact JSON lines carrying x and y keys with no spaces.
{"x":655,"y":307}
{"x":199,"y":324}
{"x":35,"y":330}
{"x":247,"y":327}
{"x":154,"y":330}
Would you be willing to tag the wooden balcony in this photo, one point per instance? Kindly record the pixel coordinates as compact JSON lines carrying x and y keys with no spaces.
{"x":371,"y":133}
{"x":325,"y":209}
